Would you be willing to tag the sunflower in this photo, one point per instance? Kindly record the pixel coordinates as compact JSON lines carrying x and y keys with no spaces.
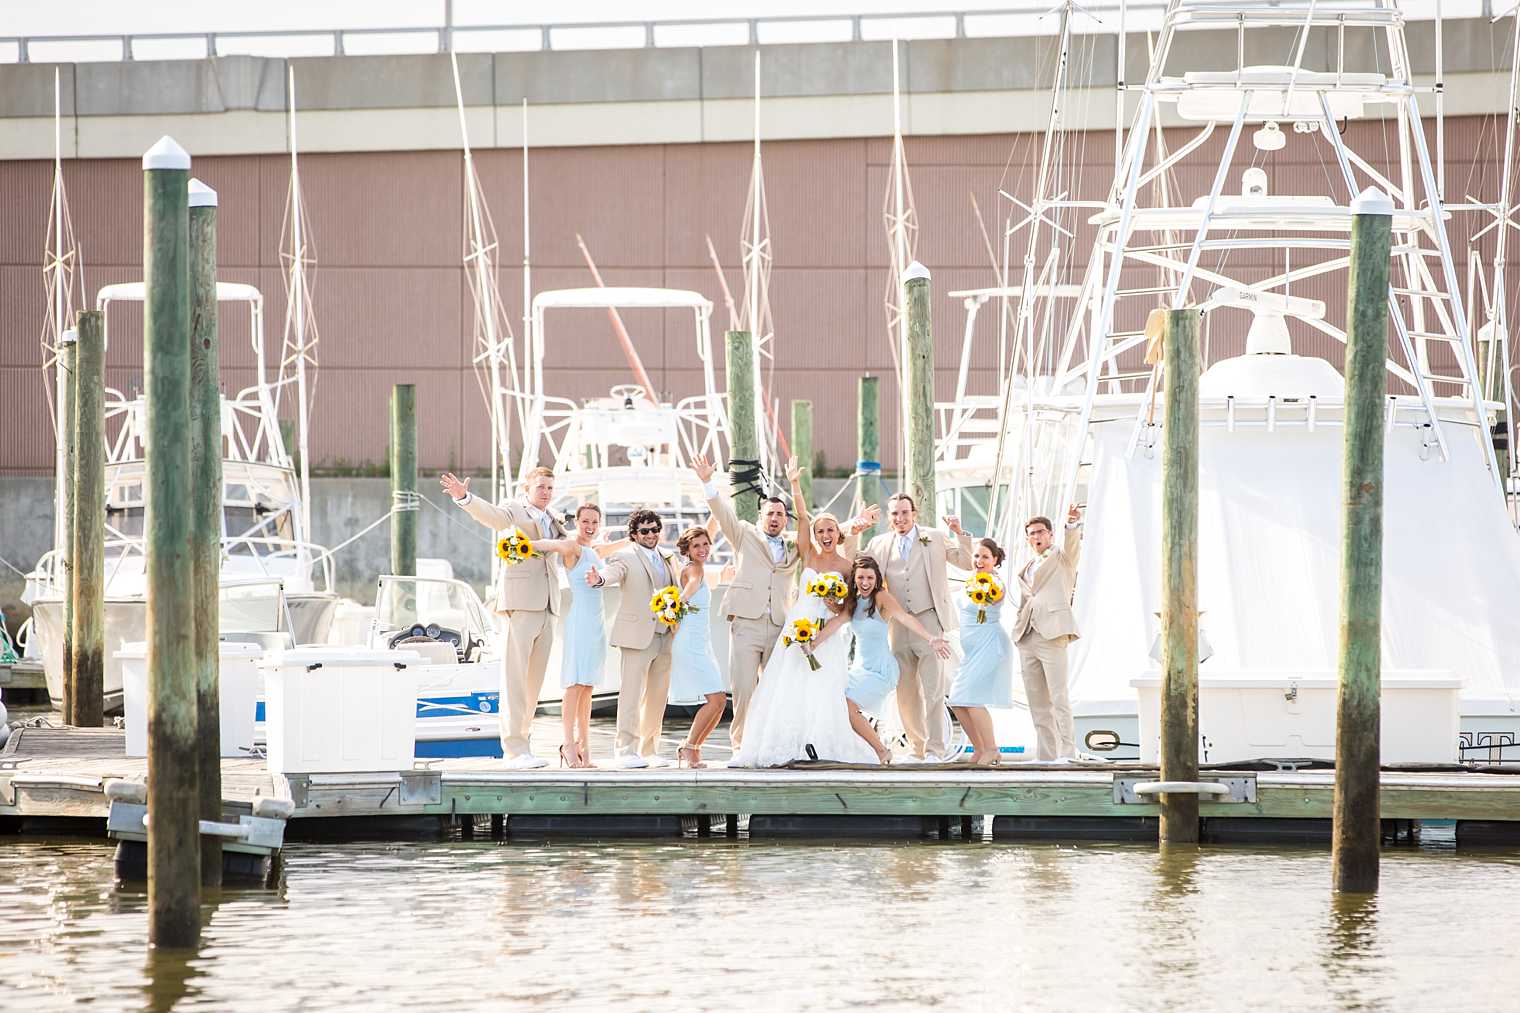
{"x":514,"y":547}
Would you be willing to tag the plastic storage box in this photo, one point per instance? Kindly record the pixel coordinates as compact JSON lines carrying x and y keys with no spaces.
{"x":340,"y":709}
{"x":1280,"y":715}
{"x":237,"y":696}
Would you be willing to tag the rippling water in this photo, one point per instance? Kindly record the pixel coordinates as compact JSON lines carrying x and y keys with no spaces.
{"x":753,"y":925}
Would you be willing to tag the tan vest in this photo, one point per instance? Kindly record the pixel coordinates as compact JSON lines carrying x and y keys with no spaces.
{"x":533,"y":584}
{"x":762,"y":588}
{"x":921,"y":582}
{"x":634,"y":625}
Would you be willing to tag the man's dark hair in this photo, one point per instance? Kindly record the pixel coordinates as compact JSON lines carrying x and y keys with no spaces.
{"x":1038,"y":520}
{"x":641,"y":517}
{"x":774,"y":499}
{"x":902,"y":496}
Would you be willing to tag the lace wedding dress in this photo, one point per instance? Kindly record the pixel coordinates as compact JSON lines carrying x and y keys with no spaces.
{"x":795,"y":707}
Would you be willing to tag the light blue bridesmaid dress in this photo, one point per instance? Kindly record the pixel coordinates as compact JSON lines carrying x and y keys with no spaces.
{"x":875,"y":671}
{"x":985,"y":675}
{"x":583,"y":657}
{"x":693,"y":670}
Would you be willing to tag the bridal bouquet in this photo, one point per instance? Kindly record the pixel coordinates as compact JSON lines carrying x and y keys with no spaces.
{"x":829,"y":587}
{"x":514,"y":547}
{"x":983,"y":589}
{"x":804,"y":631}
{"x":668,"y":608}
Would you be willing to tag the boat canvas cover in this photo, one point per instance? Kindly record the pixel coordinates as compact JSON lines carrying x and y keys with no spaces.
{"x":1269,"y":558}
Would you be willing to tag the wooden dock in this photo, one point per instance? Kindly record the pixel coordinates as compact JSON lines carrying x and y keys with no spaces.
{"x":48,"y":773}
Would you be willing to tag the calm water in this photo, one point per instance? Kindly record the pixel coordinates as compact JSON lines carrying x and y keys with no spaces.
{"x":750,"y":925}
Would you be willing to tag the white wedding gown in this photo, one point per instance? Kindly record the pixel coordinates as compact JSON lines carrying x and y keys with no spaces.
{"x":795,"y":707}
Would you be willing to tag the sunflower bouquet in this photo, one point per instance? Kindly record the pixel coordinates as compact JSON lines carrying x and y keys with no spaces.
{"x":983,"y":589}
{"x":514,"y":547}
{"x":668,"y":608}
{"x":804,"y":631}
{"x":830,"y":587}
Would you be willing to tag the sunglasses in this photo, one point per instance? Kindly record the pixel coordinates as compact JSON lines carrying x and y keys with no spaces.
{"x":647,"y":531}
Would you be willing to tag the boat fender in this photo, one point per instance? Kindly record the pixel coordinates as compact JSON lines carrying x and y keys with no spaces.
{"x":120,"y":790}
{"x":273,"y":808}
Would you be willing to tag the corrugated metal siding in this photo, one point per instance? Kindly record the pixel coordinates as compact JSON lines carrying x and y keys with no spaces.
{"x":392,"y":304}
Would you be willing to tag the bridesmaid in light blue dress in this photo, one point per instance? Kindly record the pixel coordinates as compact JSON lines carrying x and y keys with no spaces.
{"x":868,"y":611}
{"x":985,"y":676}
{"x":583,"y":637}
{"x":694,"y":671}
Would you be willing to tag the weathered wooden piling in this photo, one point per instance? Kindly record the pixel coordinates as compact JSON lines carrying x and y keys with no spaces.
{"x":173,"y":757}
{"x":868,"y":445}
{"x":68,"y":354}
{"x":743,"y":441}
{"x":1179,"y":576}
{"x":85,"y":697}
{"x":1354,"y":848}
{"x":403,"y":463}
{"x":802,"y":444}
{"x":206,"y":512}
{"x":918,"y":375}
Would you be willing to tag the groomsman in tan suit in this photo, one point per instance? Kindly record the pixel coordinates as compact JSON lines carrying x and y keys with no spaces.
{"x":758,"y":596}
{"x":914,"y":560}
{"x":643,"y":644}
{"x":527,"y":593}
{"x":1042,"y":630}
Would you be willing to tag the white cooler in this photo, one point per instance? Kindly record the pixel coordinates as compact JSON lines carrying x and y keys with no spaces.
{"x":1250,"y":715}
{"x":237,"y":695}
{"x":339,"y":709}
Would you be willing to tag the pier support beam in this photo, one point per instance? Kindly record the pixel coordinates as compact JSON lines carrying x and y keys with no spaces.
{"x":1354,"y":848}
{"x":85,"y":699}
{"x":173,"y":758}
{"x":68,"y":378}
{"x":206,"y":513}
{"x":743,"y":441}
{"x":1179,"y":576}
{"x":802,"y":444}
{"x":404,"y":479}
{"x":868,"y":446}
{"x":918,"y":376}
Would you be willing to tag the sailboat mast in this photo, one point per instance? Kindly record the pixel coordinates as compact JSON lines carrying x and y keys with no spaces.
{"x":298,"y":298}
{"x":534,"y":360}
{"x":900,"y":247}
{"x":59,"y":312}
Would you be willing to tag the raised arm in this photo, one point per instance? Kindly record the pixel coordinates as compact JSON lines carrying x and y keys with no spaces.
{"x":804,"y":522}
{"x":959,"y":551}
{"x":1071,"y":548}
{"x":722,"y":510}
{"x":856,"y":526}
{"x":893,"y":610}
{"x":492,"y":516}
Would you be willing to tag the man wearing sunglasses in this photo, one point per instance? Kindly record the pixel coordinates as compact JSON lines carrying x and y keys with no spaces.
{"x":643,"y":644}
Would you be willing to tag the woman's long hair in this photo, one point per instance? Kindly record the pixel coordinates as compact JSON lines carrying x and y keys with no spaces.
{"x":864,"y":562}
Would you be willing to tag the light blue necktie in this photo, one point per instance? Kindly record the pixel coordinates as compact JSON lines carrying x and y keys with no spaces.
{"x":907,"y":544}
{"x":778,"y":548}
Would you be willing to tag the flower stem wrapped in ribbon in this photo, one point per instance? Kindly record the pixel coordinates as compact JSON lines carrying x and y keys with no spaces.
{"x":829,"y":587}
{"x":514,"y":547}
{"x":983,"y":589}
{"x":668,"y":608}
{"x":804,"y":631}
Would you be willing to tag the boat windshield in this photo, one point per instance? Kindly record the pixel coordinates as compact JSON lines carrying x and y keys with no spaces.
{"x":401,"y":602}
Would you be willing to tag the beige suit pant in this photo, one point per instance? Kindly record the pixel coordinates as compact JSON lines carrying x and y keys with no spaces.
{"x":1043,"y":664}
{"x":530,"y":638}
{"x":921,"y":687}
{"x":750,"y":643}
{"x":641,"y":698}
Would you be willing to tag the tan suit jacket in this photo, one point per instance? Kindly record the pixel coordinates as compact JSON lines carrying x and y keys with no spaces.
{"x":1045,"y":600}
{"x":920,"y":582}
{"x":533,"y":584}
{"x":761,"y":588}
{"x":634,"y":626}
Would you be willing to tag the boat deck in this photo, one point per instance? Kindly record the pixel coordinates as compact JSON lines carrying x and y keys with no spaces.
{"x":60,"y":772}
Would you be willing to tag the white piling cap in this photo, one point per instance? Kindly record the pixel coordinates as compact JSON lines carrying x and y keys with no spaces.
{"x":914,"y":272}
{"x":1372,"y":201}
{"x":68,"y":337}
{"x":166,"y":154}
{"x":201,"y":195}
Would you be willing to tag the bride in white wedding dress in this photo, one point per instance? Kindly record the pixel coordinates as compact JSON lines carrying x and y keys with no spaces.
{"x":794,"y":707}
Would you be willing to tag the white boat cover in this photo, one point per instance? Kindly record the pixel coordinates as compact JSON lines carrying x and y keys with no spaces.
{"x":1269,"y":561}
{"x":622,"y":298}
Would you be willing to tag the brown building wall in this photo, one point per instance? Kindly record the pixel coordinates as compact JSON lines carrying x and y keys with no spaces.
{"x":392,"y":303}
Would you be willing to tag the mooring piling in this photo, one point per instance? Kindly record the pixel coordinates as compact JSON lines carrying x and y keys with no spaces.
{"x":802,"y":444}
{"x":206,"y":504}
{"x":868,"y":445}
{"x":85,"y":697}
{"x":403,"y":462}
{"x":1354,"y":846}
{"x":918,"y":376}
{"x":173,"y":757}
{"x":68,"y":354}
{"x":743,"y":443}
{"x":1179,"y":577}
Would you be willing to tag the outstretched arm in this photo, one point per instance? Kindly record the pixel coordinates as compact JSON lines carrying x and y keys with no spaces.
{"x":828,"y":630}
{"x":568,"y":548}
{"x":1071,"y":549}
{"x":959,"y":551}
{"x":489,"y":514}
{"x":722,"y":510}
{"x":894,"y":612}
{"x":804,"y":522}
{"x":856,"y":526}
{"x":609,"y":576}
{"x":605,"y":549}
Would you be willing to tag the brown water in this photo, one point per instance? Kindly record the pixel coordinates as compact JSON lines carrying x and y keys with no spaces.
{"x":740,"y":925}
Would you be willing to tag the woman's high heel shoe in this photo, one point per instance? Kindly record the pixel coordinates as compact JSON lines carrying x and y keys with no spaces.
{"x":691,"y":757}
{"x":564,"y":761}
